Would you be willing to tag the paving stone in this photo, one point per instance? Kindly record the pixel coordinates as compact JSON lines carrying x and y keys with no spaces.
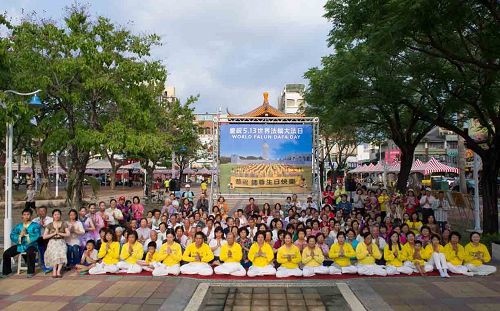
{"x":313,"y":302}
{"x":241,"y":308}
{"x":260,"y":290}
{"x":219,"y":290}
{"x":316,"y":308}
{"x":296,"y":303}
{"x":293,"y":290}
{"x":277,"y":302}
{"x":260,"y":302}
{"x":213,"y":308}
{"x":278,"y":308}
{"x":245,"y":290}
{"x":243,"y":296}
{"x":260,"y":308}
{"x":216,"y":302}
{"x":218,"y":296}
{"x":276,"y":290}
{"x":242,"y":302}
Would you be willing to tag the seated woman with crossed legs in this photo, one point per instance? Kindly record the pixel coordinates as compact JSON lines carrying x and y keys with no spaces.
{"x":341,"y":253}
{"x":132,"y":251}
{"x":289,"y":257}
{"x":198,"y":255}
{"x":366,"y":253}
{"x":312,"y":259}
{"x":230,"y":254}
{"x":169,"y":257}
{"x":261,"y":255}
{"x":109,"y":252}
{"x":393,"y":255}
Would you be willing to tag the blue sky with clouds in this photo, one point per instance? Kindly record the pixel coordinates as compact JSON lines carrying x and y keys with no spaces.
{"x":228,"y":51}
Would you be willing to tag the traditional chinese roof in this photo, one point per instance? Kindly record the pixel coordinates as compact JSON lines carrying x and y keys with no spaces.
{"x":265,"y":110}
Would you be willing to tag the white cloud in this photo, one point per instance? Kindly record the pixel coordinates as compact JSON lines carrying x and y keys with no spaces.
{"x":228,"y":51}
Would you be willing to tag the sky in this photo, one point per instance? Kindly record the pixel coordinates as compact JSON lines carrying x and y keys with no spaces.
{"x":227,"y":51}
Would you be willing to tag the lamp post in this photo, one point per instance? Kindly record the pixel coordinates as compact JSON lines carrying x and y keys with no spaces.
{"x":9,"y":137}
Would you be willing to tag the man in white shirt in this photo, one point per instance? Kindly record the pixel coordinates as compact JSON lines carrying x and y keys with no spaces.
{"x":43,"y":220}
{"x":113,"y":214}
{"x":426,"y":202}
{"x":310,"y":204}
{"x":153,"y":236}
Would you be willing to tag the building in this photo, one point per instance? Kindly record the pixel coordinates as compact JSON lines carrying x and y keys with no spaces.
{"x":291,"y":100}
{"x":205,"y":122}
{"x":168,"y":94}
{"x":439,"y":143}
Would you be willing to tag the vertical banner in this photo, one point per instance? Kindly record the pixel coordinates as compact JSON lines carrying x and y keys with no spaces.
{"x":265,"y":158}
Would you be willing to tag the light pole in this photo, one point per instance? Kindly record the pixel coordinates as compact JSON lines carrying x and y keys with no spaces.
{"x":9,"y":137}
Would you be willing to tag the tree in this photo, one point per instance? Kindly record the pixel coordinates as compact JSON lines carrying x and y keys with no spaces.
{"x":91,"y":73}
{"x":356,"y":88}
{"x":451,"y":54}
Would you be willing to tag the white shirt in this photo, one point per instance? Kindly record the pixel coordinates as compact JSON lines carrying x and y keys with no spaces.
{"x":427,"y":201}
{"x":74,"y":237}
{"x":158,"y":244}
{"x":47,"y":220}
{"x":113,"y":215}
{"x":213,"y":243}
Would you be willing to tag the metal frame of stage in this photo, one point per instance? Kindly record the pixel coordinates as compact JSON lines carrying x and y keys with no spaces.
{"x":215,"y":185}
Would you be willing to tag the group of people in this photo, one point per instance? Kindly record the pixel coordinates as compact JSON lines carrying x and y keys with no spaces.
{"x":369,"y":233}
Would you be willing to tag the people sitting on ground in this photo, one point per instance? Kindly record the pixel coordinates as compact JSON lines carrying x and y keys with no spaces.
{"x":169,"y":257}
{"x":476,"y":255}
{"x":261,"y":255}
{"x":231,"y":255}
{"x":289,"y":258}
{"x":366,"y":253}
{"x":313,"y":258}
{"x":131,"y":252}
{"x":109,"y":254}
{"x":197,"y":255}
{"x":341,"y":254}
{"x":89,"y":258}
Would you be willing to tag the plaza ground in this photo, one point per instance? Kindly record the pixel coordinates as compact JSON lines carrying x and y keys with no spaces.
{"x":116,"y":292}
{"x":108,"y":292}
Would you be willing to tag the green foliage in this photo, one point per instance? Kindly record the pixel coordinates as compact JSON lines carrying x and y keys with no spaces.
{"x":444,"y":59}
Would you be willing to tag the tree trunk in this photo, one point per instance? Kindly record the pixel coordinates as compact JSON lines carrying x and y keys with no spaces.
{"x":489,"y":190}
{"x":76,"y":175}
{"x":149,"y":172}
{"x":405,"y":170}
{"x":112,"y":177}
{"x":322,"y":175}
{"x":44,"y":184}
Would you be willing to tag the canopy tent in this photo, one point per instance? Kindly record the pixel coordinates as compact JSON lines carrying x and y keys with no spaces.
{"x":60,"y":170}
{"x":188,"y":171}
{"x":91,"y":171}
{"x":417,"y":166}
{"x":434,"y":166}
{"x":99,"y":164}
{"x":358,"y":169}
{"x":132,"y":166}
{"x":203,"y":171}
{"x":395,"y":168}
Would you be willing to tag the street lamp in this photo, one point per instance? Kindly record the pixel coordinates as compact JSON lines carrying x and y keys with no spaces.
{"x":9,"y":137}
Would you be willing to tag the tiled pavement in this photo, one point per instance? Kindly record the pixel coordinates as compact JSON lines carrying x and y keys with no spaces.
{"x":75,"y":292}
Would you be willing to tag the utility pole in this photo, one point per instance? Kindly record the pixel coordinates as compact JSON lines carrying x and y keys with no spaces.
{"x":461,"y":164}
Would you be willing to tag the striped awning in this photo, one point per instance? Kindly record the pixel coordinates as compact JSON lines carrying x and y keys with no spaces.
{"x":434,"y":166}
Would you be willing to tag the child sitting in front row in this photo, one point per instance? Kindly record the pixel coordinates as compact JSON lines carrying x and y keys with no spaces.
{"x":89,"y":258}
{"x":151,"y":257}
{"x":418,"y":261}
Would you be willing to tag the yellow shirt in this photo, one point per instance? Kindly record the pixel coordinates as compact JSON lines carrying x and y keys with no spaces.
{"x":110,"y":256}
{"x":473,"y":253}
{"x":204,"y":252}
{"x":430,"y":249}
{"x":455,"y":258}
{"x":236,"y":253}
{"x":260,"y":261}
{"x":137,"y":253}
{"x":152,"y":258}
{"x":383,"y":200}
{"x":365,"y":258}
{"x":344,"y":261}
{"x":173,"y":258}
{"x":292,"y":251}
{"x":409,"y":251}
{"x":414,"y":226}
{"x":315,"y":260}
{"x":390,"y":258}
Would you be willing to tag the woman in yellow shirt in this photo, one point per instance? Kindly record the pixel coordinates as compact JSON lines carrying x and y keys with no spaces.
{"x":312,"y":259}
{"x":476,"y":255}
{"x":289,"y":258}
{"x":198,"y":255}
{"x":414,"y":223}
{"x":409,"y":254}
{"x":437,"y":256}
{"x":169,"y":257}
{"x":393,"y":255}
{"x":231,"y":254}
{"x":109,"y":252}
{"x":341,"y":253}
{"x":366,"y":253}
{"x":132,"y":251}
{"x":455,"y":255}
{"x":261,"y":255}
